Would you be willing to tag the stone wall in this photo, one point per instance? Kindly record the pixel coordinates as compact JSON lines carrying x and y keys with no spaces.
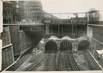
{"x":7,"y":48}
{"x":25,"y":42}
{"x":7,"y":56}
{"x":14,"y":32}
{"x":98,"y":33}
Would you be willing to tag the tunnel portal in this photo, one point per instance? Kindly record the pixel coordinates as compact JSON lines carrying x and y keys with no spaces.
{"x":51,"y":46}
{"x":83,"y":45}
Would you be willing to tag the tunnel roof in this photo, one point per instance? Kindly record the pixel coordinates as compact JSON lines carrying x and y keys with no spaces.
{"x":53,"y":38}
{"x":66,"y":38}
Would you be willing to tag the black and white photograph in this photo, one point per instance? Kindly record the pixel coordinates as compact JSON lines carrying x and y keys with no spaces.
{"x":52,"y":35}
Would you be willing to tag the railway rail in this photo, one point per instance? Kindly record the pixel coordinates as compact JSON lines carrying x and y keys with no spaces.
{"x":50,"y":62}
{"x":66,"y":61}
{"x":36,"y":62}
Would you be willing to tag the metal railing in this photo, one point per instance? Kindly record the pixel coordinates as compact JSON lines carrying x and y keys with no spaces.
{"x":96,"y":50}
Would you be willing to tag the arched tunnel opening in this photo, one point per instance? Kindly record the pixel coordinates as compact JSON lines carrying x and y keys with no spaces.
{"x":50,"y":47}
{"x":35,"y":37}
{"x":83,"y":45}
{"x":65,"y":45}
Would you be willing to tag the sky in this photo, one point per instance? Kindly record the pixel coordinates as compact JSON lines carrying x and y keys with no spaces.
{"x":62,"y":6}
{"x":71,"y":5}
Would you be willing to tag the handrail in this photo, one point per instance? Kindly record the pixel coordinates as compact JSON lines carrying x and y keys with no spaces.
{"x":96,"y":61}
{"x":98,"y":41}
{"x":13,"y":63}
{"x":21,"y":54}
{"x":7,"y":46}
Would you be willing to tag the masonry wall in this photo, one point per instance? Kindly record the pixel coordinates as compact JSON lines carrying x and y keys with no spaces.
{"x":7,"y":48}
{"x":20,"y":40}
{"x":14,"y":32}
{"x":98,"y":33}
{"x":25,"y":42}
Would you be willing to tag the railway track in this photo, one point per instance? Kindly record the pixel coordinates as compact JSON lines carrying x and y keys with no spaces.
{"x":36,"y":63}
{"x":66,"y":61}
{"x":61,"y":60}
{"x":54,"y":61}
{"x":18,"y":63}
{"x":73,"y":64}
{"x":50,"y":62}
{"x":92,"y":64}
{"x":57,"y":61}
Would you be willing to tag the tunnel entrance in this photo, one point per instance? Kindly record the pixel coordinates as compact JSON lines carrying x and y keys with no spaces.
{"x":51,"y":46}
{"x":65,"y":45}
{"x":83,"y":45}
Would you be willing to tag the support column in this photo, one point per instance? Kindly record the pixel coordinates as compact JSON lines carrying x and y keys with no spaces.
{"x":75,"y":46}
{"x":58,"y":44}
{"x":92,"y":46}
{"x":89,"y":32}
{"x":47,"y":29}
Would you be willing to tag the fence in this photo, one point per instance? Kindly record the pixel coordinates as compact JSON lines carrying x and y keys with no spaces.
{"x":96,"y":50}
